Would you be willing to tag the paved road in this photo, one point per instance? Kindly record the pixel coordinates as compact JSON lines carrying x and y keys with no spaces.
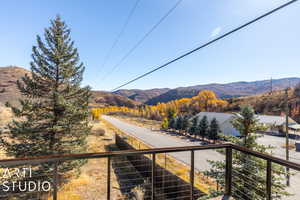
{"x":158,"y":140}
{"x":279,"y":142}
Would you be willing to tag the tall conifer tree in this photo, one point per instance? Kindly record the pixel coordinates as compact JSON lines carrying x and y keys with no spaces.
{"x":213,"y":130}
{"x":195,"y":126}
{"x":248,"y":170}
{"x":54,"y":111}
{"x":203,"y":127}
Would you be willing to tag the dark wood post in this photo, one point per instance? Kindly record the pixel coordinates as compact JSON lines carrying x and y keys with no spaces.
{"x":228,"y":172}
{"x":55,"y":181}
{"x":108,"y":177}
{"x":153,"y":177}
{"x":192,"y":173}
{"x":269,"y":180}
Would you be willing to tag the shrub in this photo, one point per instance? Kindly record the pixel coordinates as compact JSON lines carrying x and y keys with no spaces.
{"x":5,"y":115}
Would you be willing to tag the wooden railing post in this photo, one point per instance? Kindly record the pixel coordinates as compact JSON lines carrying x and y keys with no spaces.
{"x":55,"y":181}
{"x":192,"y":173}
{"x":228,"y":172}
{"x":108,"y":177}
{"x":153,"y":177}
{"x":269,"y":180}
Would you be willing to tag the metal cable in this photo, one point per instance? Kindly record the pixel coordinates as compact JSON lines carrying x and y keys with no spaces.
{"x":208,"y":43}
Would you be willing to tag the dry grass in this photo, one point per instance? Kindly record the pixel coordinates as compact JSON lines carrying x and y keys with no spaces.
{"x":8,"y":87}
{"x":290,"y":146}
{"x":91,"y":183}
{"x":5,"y":115}
{"x":138,"y":121}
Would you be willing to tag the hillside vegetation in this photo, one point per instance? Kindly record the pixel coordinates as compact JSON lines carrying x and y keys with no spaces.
{"x":102,"y":99}
{"x":269,"y":103}
{"x":262,"y":101}
{"x":142,"y":96}
{"x":5,"y":115}
{"x":8,"y":83}
{"x":205,"y":101}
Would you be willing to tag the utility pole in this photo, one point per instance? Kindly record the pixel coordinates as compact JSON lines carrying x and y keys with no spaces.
{"x":287,"y":135}
{"x":271,"y":86}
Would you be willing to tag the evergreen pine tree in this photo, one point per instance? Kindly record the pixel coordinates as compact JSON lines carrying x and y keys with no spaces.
{"x":247,"y":168}
{"x":54,"y":111}
{"x":171,"y":112}
{"x":179,"y":122}
{"x":213,"y":129}
{"x":203,"y":127}
{"x":172,"y":123}
{"x":194,"y":126}
{"x":186,"y":124}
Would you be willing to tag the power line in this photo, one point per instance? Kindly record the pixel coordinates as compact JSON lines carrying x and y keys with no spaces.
{"x":142,"y":39}
{"x":120,"y":33}
{"x":208,"y":43}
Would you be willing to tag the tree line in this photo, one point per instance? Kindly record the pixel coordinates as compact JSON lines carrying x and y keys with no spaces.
{"x":193,"y":126}
{"x":206,"y":100}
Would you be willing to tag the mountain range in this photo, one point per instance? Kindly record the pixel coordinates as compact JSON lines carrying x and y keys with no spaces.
{"x":226,"y":90}
{"x":135,"y":97}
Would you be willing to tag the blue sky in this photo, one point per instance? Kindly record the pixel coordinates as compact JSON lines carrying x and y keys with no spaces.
{"x":269,"y":48}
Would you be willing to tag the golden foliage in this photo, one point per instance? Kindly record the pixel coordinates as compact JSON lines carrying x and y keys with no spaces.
{"x":206,"y":100}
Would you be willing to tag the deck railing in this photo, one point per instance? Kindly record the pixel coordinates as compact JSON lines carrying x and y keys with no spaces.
{"x":152,"y":176}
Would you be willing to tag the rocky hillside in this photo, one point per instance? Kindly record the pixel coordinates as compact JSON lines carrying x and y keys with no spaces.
{"x":100,"y":98}
{"x":10,"y":93}
{"x":142,"y":96}
{"x":235,"y":89}
{"x":8,"y":86}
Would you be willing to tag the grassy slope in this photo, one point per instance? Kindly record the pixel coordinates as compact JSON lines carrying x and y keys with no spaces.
{"x":138,"y":121}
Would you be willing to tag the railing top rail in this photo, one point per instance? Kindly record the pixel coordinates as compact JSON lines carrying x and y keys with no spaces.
{"x":273,"y":159}
{"x":59,"y":158}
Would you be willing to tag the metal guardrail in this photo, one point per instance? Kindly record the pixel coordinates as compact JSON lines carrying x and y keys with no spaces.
{"x":152,"y":154}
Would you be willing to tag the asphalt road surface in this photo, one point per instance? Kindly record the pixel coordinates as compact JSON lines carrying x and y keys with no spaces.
{"x":157,"y":139}
{"x":278,"y":144}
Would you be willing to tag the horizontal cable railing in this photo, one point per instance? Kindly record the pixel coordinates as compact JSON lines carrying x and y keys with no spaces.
{"x":152,"y":174}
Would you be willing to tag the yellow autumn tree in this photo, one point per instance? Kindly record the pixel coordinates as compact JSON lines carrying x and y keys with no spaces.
{"x":206,"y":100}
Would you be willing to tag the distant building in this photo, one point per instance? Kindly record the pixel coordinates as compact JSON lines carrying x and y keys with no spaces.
{"x":275,"y":124}
{"x":224,"y":121}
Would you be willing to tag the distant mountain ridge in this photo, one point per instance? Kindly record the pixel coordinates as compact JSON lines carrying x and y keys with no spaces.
{"x":10,"y":93}
{"x":226,"y":90}
{"x":131,"y":98}
{"x":142,"y":95}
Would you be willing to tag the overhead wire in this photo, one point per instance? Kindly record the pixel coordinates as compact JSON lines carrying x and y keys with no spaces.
{"x":208,"y":43}
{"x":147,"y":34}
{"x":116,"y":41}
